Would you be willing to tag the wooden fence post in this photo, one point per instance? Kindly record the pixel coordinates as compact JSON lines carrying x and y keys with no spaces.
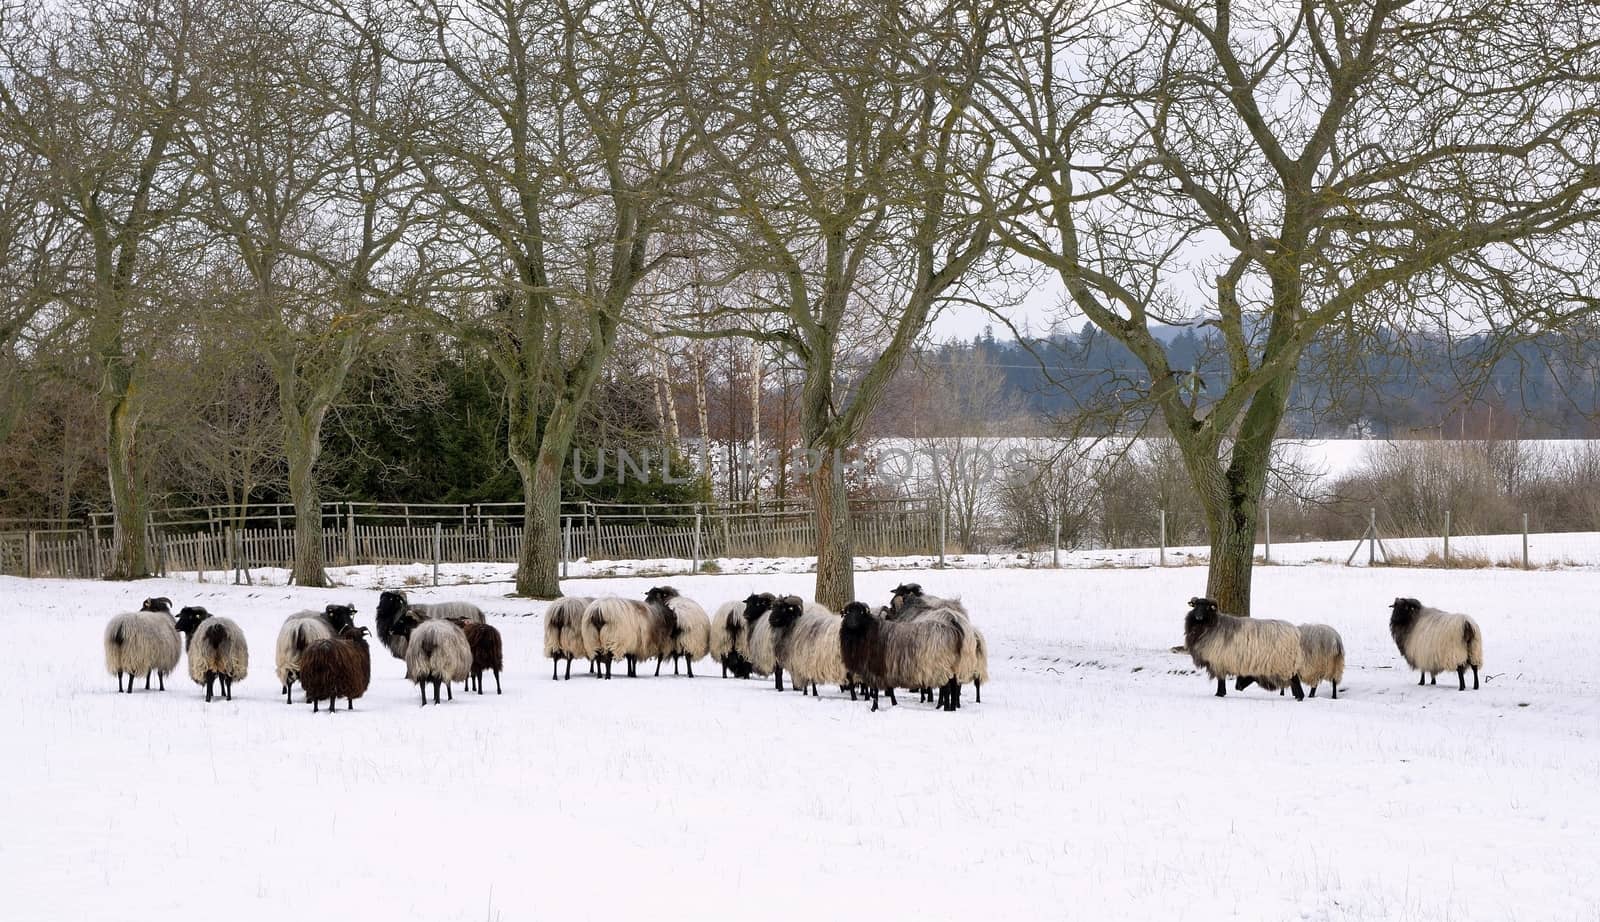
{"x":350,"y":536}
{"x":694,"y":560}
{"x":1372,"y":532}
{"x":1447,"y":537}
{"x":1163,"y":557}
{"x":943,"y":534}
{"x":566,"y":545}
{"x":438,"y":550}
{"x":29,"y":539}
{"x":1055,"y":545}
{"x":1524,"y":541}
{"x":1268,"y":556}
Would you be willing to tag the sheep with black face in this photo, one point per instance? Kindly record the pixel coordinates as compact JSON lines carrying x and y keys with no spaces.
{"x":690,"y":627}
{"x":887,"y":654}
{"x":436,"y":651}
{"x":1261,"y":650}
{"x":302,"y":629}
{"x":728,"y":643}
{"x":1434,"y":641}
{"x":218,"y":654}
{"x":806,"y":641}
{"x":143,"y":642}
{"x":393,"y":605}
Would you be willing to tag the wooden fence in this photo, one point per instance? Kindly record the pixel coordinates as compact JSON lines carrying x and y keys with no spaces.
{"x":689,"y":533}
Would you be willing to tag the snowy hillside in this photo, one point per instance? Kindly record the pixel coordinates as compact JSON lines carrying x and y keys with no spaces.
{"x":1098,"y":779}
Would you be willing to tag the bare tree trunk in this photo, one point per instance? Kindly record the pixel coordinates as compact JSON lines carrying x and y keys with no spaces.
{"x":538,"y":558}
{"x":303,"y":444}
{"x":130,"y":497}
{"x":755,"y":421}
{"x":836,"y":574}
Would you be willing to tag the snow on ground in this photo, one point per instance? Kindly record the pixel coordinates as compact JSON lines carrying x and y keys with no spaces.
{"x":1098,"y":779}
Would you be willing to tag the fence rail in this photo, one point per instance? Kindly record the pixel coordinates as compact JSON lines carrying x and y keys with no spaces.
{"x":194,"y":539}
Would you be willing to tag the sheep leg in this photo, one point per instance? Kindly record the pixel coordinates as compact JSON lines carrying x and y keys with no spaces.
{"x":688,"y":665}
{"x":555,"y":668}
{"x":448,"y":694}
{"x":977,"y":691}
{"x":1461,"y":676}
{"x":674,"y":664}
{"x":1314,"y":690}
{"x":569,"y":674}
{"x":478,"y":680}
{"x":290,"y":693}
{"x":423,"y":684}
{"x":497,"y":681}
{"x":1243,"y":682}
{"x":874,"y":697}
{"x":210,"y":677}
{"x":1422,"y":679}
{"x":658,"y":664}
{"x":1474,"y":678}
{"x":1335,"y":691}
{"x":724,"y":668}
{"x":1435,"y":679}
{"x":1297,"y":688}
{"x":147,"y":682}
{"x":1222,"y":686}
{"x":777,"y":676}
{"x":161,"y":680}
{"x":891,"y":697}
{"x":316,"y":705}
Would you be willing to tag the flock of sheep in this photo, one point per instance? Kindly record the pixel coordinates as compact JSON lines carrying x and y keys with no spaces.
{"x":1278,"y":655}
{"x":917,"y":641}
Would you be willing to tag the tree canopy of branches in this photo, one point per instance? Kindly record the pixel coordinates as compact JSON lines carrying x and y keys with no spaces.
{"x":1329,"y":165}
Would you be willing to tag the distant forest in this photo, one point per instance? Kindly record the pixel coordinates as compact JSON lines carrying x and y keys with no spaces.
{"x":1385,"y":386}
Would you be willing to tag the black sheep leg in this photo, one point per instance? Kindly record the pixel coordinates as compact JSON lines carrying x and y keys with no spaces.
{"x":674,"y":664}
{"x":210,"y":678}
{"x":688,"y":665}
{"x":1314,"y":690}
{"x":161,"y":680}
{"x":227,"y":687}
{"x":1222,"y":686}
{"x":1297,"y":688}
{"x":448,"y":696}
{"x":891,"y":697}
{"x":1461,"y":676}
{"x":1422,"y":679}
{"x":555,"y":668}
{"x":777,"y":677}
{"x":874,"y":697}
{"x":423,"y":684}
{"x":658,"y":664}
{"x":316,"y":705}
{"x":1335,"y":691}
{"x":147,"y":682}
{"x":724,"y":668}
{"x":349,"y":704}
{"x":497,"y":681}
{"x":569,"y":672}
{"x":1474,"y":678}
{"x":1243,"y":682}
{"x":977,"y":691}
{"x":1435,"y":680}
{"x":288,"y":690}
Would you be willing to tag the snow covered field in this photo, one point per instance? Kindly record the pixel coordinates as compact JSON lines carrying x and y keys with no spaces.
{"x":1098,"y":779}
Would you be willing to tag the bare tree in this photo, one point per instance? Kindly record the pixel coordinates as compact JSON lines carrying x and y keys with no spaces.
{"x":843,"y":172}
{"x":309,"y":201}
{"x":550,"y":155}
{"x":101,"y":92}
{"x":1334,"y":166}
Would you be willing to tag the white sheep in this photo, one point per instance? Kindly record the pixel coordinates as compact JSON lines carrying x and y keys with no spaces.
{"x":1435,"y":641}
{"x":563,"y":632}
{"x":436,"y":651}
{"x":806,"y":641}
{"x":974,"y":664}
{"x":625,"y":628}
{"x":1255,"y":649}
{"x":1321,"y":657}
{"x":728,"y":644}
{"x":142,"y":642}
{"x":218,"y":652}
{"x":690,"y":635}
{"x":298,"y":633}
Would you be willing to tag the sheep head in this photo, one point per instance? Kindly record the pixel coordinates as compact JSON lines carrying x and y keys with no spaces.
{"x":660,"y":595}
{"x":190,"y":617}
{"x":786,"y":611}
{"x":903,"y":593}
{"x":758,"y":604}
{"x":341,"y":616}
{"x":159,"y":603}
